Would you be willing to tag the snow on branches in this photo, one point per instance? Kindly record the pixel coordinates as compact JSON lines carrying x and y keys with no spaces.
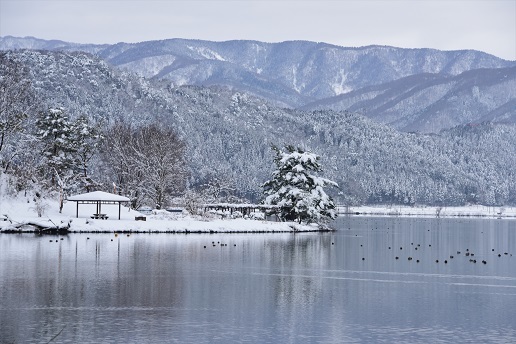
{"x":298,"y":194}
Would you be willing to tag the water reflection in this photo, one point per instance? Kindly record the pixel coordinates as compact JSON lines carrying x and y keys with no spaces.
{"x":346,"y":286}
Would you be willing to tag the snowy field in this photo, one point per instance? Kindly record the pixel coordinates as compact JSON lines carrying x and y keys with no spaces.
{"x":18,"y":212}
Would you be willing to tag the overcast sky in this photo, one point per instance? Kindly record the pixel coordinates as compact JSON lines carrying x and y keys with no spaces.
{"x":486,"y":25}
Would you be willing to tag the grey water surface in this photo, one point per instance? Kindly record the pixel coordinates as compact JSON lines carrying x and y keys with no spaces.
{"x":340,"y":287}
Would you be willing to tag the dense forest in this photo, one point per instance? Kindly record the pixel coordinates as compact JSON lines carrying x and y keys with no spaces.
{"x":217,"y":141}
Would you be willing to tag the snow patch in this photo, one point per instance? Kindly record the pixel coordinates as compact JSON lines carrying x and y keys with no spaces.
{"x":297,"y":88}
{"x":339,"y":86}
{"x":207,"y":53}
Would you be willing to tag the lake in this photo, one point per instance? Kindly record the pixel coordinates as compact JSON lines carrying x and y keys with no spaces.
{"x":340,"y":287}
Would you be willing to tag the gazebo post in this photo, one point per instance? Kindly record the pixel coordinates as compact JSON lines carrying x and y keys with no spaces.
{"x":77,"y":210}
{"x":119,"y":209}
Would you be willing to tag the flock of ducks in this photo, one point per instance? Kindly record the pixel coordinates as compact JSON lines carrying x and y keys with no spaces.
{"x":218,"y":243}
{"x":418,"y":247}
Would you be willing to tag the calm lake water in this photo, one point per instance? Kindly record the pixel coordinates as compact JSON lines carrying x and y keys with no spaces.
{"x":342,"y":287}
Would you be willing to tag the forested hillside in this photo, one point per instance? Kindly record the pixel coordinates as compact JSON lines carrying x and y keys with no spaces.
{"x":228,"y":136}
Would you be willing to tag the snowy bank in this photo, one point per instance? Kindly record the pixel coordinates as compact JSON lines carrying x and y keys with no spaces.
{"x":425,"y":211}
{"x":20,"y":215}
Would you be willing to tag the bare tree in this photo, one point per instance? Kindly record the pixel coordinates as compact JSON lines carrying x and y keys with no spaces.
{"x":147,"y":163}
{"x":118,"y":157}
{"x":218,"y":187}
{"x":86,"y":138}
{"x":160,"y":159}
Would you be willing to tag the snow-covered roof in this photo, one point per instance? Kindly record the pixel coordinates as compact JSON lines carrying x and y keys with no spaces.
{"x":99,"y":196}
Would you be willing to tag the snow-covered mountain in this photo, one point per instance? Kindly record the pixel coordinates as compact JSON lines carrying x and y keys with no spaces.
{"x":431,"y":102}
{"x":411,"y":89}
{"x":229,"y":133}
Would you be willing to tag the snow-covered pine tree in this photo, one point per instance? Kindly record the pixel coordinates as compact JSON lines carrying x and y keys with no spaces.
{"x":298,"y":194}
{"x":56,"y":134}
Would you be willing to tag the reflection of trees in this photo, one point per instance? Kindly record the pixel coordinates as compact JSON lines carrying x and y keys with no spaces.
{"x":297,"y":263}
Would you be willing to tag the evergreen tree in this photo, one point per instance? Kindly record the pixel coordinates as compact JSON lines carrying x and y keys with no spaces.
{"x":297,"y":194}
{"x":56,"y":134}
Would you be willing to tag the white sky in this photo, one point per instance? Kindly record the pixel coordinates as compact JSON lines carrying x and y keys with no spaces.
{"x":486,"y":25}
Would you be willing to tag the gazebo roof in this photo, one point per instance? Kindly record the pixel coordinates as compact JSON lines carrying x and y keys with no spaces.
{"x":99,"y":196}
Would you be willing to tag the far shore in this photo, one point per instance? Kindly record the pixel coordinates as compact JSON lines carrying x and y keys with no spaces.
{"x":477,"y":211}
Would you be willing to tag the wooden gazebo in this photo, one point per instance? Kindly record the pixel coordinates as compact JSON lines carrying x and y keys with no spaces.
{"x":99,"y":198}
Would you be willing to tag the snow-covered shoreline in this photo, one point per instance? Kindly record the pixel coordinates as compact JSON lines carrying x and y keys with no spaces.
{"x":19,"y":215}
{"x":480,"y":211}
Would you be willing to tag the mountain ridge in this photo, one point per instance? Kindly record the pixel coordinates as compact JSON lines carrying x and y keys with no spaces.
{"x":304,"y":74}
{"x":433,"y":111}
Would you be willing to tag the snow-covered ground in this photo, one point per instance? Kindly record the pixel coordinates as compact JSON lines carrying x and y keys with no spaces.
{"x":23,"y":210}
{"x":471,"y":210}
